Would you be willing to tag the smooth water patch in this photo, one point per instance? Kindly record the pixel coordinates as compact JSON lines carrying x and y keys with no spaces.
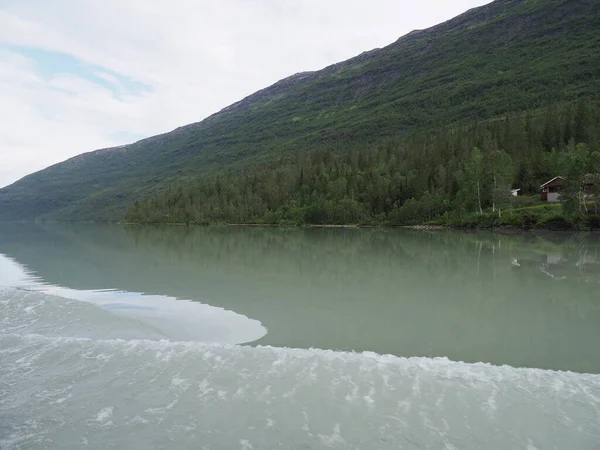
{"x":109,"y":314}
{"x":140,"y":316}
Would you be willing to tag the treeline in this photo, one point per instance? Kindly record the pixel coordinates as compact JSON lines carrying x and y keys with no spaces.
{"x":456,"y":171}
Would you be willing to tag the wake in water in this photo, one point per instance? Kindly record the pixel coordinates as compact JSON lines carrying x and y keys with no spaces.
{"x":65,"y":386}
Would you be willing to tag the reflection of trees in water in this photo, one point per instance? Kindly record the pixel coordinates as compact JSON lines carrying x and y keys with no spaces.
{"x":321,"y":253}
{"x":451,"y":260}
{"x":321,"y":256}
{"x":469,"y":290}
{"x":345,"y":255}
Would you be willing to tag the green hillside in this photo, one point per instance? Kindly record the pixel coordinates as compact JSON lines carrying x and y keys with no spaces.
{"x":508,"y":56}
{"x":459,"y":175}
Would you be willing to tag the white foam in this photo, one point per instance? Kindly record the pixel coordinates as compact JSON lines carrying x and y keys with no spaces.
{"x":104,"y":414}
{"x":230,"y":396}
{"x":334,"y":439}
{"x":444,"y":368}
{"x":246,"y":445}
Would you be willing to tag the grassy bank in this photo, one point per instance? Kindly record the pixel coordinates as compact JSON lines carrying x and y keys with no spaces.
{"x":543,"y":217}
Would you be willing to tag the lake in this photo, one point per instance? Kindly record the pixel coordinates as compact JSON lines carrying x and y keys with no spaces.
{"x":255,"y":338}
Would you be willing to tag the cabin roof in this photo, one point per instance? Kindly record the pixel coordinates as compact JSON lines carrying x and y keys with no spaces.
{"x":550,"y":181}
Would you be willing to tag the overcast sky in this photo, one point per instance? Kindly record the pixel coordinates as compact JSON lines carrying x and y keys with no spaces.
{"x":78,"y":75}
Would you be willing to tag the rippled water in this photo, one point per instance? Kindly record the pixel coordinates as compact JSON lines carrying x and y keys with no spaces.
{"x":99,"y":352}
{"x":69,"y":392}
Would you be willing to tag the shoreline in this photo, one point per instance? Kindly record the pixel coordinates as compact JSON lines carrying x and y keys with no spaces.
{"x":499,"y":229}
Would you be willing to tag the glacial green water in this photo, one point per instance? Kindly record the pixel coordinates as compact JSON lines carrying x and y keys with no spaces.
{"x":525,"y":301}
{"x":301,"y":338}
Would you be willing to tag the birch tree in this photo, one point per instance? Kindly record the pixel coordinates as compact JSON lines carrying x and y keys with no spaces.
{"x":471,"y":191}
{"x":575,"y":163}
{"x":501,"y":172}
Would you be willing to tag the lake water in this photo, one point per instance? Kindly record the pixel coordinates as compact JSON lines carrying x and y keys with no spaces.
{"x":243,"y":338}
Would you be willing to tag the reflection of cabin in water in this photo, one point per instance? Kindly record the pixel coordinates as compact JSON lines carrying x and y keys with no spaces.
{"x":581,"y":266}
{"x":551,"y":189}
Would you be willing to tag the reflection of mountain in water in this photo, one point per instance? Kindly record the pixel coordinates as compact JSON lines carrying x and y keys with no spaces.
{"x":473,"y":297}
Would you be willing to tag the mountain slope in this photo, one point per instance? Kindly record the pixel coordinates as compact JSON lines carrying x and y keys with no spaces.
{"x":507,"y":56}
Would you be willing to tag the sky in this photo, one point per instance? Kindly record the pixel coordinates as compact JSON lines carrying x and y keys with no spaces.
{"x":79,"y":75}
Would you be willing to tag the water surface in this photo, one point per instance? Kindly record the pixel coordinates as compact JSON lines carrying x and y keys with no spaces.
{"x":525,"y":301}
{"x":108,"y":333}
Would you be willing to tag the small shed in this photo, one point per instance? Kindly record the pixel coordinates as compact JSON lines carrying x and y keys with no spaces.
{"x":515,"y":192}
{"x":591,"y":183}
{"x":551,"y":189}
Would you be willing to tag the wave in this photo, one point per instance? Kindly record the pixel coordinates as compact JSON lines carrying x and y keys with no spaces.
{"x":67,"y":392}
{"x":441,"y":366}
{"x":188,"y":394}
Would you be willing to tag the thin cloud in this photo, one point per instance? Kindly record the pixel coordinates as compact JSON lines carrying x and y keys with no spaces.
{"x":143,"y":68}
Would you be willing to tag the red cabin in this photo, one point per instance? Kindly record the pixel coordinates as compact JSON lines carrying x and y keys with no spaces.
{"x":551,"y":189}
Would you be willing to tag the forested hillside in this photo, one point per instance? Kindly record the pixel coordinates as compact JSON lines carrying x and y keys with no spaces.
{"x":511,"y":60}
{"x":453,"y":173}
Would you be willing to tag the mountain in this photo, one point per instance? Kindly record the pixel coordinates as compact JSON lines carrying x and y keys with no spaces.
{"x":507,"y":56}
